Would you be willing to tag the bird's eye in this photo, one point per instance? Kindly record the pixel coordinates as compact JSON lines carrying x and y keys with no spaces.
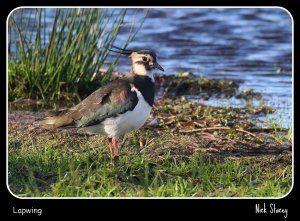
{"x":145,"y":59}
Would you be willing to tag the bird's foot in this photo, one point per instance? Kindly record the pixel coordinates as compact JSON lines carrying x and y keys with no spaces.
{"x":113,"y":149}
{"x":115,"y":145}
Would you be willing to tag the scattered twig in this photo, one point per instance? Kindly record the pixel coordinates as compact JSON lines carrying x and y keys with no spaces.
{"x":198,"y":124}
{"x":204,"y":129}
{"x":264,"y":129}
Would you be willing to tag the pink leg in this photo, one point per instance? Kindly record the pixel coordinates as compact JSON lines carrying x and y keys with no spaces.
{"x":110,"y":143}
{"x":115,"y":145}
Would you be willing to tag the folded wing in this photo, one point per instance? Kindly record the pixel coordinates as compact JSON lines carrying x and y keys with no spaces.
{"x":108,"y":101}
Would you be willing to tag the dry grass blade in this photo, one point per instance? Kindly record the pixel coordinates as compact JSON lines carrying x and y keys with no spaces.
{"x":204,"y":129}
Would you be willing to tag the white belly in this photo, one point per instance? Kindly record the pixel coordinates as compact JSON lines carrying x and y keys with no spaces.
{"x":130,"y":120}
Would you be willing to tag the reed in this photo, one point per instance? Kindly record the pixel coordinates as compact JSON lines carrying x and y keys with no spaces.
{"x":54,"y":53}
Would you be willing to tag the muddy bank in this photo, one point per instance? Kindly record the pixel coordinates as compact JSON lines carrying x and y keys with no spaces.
{"x":186,"y":128}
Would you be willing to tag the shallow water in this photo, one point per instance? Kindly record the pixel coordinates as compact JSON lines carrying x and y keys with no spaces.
{"x":249,"y":44}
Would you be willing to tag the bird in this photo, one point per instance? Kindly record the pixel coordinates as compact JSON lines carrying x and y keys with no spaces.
{"x":120,"y":106}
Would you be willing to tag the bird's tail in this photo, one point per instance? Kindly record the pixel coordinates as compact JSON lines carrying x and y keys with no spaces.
{"x":54,"y":120}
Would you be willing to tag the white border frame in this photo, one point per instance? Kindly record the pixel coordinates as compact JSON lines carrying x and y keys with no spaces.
{"x":278,"y":7}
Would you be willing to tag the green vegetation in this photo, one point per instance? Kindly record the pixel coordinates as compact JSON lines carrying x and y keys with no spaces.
{"x":192,"y":151}
{"x":182,"y":85}
{"x":61,"y":63}
{"x":176,"y":85}
{"x":186,"y":149}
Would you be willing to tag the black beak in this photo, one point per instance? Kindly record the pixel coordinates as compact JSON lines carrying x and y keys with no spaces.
{"x":157,"y":65}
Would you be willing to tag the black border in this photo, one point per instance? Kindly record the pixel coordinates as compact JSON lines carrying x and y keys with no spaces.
{"x":142,"y":208}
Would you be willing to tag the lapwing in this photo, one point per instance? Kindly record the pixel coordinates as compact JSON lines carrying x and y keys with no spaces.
{"x":116,"y":108}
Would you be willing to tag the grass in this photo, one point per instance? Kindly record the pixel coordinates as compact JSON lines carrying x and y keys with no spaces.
{"x":192,"y":150}
{"x":163,"y":160}
{"x":59,"y":58}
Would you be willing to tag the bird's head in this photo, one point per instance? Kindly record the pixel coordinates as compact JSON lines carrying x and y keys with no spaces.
{"x":143,"y":61}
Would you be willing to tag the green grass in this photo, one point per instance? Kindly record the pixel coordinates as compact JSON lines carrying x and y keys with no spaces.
{"x":69,"y":165}
{"x":60,"y":58}
{"x":193,"y":151}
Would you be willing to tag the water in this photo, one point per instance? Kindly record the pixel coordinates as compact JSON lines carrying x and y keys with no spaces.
{"x":249,"y":44}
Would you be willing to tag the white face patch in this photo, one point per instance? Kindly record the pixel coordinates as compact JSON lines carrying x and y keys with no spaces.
{"x":140,"y":69}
